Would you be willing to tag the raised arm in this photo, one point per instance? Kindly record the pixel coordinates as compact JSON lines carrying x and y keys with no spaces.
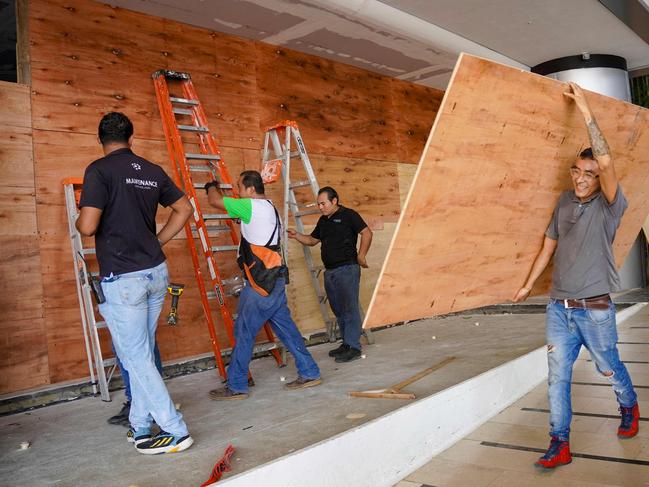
{"x":214,"y":195}
{"x":607,"y":177}
{"x":540,"y":263}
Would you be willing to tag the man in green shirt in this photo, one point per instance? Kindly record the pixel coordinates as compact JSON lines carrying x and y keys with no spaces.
{"x":263,"y":298}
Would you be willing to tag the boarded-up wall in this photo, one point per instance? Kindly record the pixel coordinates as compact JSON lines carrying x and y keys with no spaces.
{"x":492,"y":171}
{"x":23,"y":345}
{"x":88,"y":58}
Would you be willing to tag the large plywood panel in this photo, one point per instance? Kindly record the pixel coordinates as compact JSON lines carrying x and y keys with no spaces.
{"x":23,"y":347}
{"x":495,"y":163}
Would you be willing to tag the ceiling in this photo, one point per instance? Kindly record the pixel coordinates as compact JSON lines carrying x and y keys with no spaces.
{"x":418,"y":40}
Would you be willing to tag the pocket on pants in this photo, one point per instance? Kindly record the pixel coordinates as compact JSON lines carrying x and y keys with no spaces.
{"x":132,"y":291}
{"x":600,"y":316}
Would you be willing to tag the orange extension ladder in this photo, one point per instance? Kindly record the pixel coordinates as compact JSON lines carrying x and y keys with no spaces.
{"x":201,"y":228}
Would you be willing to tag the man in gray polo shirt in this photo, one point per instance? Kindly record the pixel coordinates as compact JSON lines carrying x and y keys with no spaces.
{"x":580,"y":312}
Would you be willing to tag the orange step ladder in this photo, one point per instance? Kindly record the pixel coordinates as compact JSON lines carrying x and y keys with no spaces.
{"x":202,"y":228}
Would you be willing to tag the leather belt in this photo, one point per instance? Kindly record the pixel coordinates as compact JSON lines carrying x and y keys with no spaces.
{"x":596,"y":302}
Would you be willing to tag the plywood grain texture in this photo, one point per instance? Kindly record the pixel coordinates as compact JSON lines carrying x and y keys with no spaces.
{"x":414,"y":108}
{"x":88,"y":58}
{"x":495,"y":163}
{"x":23,"y":346}
{"x":342,"y":110}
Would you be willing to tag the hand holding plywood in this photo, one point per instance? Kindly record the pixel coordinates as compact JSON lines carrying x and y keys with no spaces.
{"x":493,"y":168}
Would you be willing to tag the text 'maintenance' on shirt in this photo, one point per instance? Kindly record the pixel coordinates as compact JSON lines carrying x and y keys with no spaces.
{"x":338,"y":234}
{"x":128,"y":189}
{"x":584,"y":265}
{"x":258,"y":219}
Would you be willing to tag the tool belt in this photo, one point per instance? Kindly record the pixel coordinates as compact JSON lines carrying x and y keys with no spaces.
{"x":596,"y":302}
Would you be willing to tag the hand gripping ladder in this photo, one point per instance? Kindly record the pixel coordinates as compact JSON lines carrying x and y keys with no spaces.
{"x":96,"y":361}
{"x":207,"y":160}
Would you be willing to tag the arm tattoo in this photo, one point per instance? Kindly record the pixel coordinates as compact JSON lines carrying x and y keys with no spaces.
{"x":597,"y":140}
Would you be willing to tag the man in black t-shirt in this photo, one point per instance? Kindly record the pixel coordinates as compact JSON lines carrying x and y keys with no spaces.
{"x":119,"y":201}
{"x":338,"y":229}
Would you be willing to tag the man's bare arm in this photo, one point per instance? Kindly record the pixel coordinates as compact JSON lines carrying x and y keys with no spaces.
{"x":607,"y":177}
{"x":302,"y":238}
{"x":540,"y":263}
{"x":366,"y":241}
{"x":181,"y":210}
{"x":88,"y":220}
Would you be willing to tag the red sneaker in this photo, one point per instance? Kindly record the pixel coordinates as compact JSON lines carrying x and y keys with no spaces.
{"x":558,"y":454}
{"x":630,"y":422}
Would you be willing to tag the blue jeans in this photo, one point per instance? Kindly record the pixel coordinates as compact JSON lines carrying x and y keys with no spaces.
{"x":567,"y":330}
{"x":124,"y":372}
{"x":342,"y":285}
{"x":133,"y":304}
{"x":253,"y":311}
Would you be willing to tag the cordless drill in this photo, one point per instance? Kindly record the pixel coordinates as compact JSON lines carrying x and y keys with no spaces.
{"x":175,"y":290}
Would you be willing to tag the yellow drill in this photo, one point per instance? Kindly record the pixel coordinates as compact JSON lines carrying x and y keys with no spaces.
{"x":175,"y":290}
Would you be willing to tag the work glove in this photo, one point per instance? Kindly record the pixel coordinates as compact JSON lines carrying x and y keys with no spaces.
{"x":211,"y":184}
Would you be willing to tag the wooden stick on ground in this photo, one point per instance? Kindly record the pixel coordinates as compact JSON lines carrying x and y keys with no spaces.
{"x":394,"y":392}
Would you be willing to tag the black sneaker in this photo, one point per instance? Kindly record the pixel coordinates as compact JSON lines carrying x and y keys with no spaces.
{"x":121,"y":418}
{"x":337,"y":351}
{"x":349,"y":355}
{"x":164,"y":442}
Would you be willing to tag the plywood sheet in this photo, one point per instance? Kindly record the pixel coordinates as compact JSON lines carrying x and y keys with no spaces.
{"x":493,"y":168}
{"x":14,"y":100}
{"x":342,"y":110}
{"x":301,"y":297}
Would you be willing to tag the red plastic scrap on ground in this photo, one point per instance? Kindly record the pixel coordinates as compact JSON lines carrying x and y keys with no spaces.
{"x":221,"y":466}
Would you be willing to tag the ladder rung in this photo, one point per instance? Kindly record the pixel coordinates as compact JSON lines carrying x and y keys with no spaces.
{"x":108,"y":362}
{"x":88,"y":251}
{"x":167,"y":73}
{"x":222,"y":186}
{"x":182,"y":111}
{"x":230,"y":280}
{"x":307,"y":212}
{"x":211,"y":228}
{"x":295,"y":153}
{"x":192,"y":128}
{"x":205,"y":157}
{"x":216,"y":216}
{"x":300,"y":184}
{"x":224,"y":248}
{"x":100,"y":324}
{"x":200,"y":168}
{"x":183,"y":101}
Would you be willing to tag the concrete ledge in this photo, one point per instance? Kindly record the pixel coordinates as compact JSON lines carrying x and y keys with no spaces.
{"x":384,"y":451}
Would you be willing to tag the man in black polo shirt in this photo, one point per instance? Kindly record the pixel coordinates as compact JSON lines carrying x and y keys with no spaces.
{"x":338,"y":229}
{"x":580,"y":312}
{"x":119,"y":201}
